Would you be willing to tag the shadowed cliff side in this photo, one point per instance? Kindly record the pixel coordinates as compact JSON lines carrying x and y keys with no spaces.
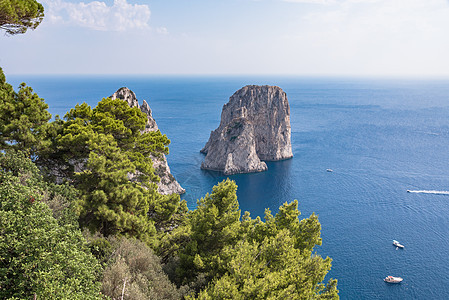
{"x":255,"y":126}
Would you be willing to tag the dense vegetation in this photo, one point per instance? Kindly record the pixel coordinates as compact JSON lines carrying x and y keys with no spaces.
{"x":104,"y":154}
{"x":80,"y":216}
{"x":41,"y":252}
{"x":93,"y":170}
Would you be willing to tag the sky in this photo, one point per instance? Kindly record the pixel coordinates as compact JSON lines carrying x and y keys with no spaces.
{"x":370,"y":38}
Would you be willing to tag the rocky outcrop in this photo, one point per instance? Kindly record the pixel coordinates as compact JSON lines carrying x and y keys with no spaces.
{"x":168,"y":184}
{"x":126,"y":94}
{"x":254,"y":127}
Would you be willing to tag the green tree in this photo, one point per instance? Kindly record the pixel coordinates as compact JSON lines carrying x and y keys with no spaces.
{"x":106,"y":156}
{"x":271,"y":269}
{"x":228,"y":258}
{"x":17,"y":16}
{"x":23,"y":118}
{"x":39,"y":255}
{"x":274,"y":260}
{"x":213,"y":225}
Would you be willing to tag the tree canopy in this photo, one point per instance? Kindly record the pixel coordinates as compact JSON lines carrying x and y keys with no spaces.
{"x":106,"y":155}
{"x":274,"y":260}
{"x":229,"y":257}
{"x":23,"y":118}
{"x":39,"y":254}
{"x":17,"y":16}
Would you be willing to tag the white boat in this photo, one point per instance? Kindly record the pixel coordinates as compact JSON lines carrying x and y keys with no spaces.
{"x":329,"y":170}
{"x":397,"y":244}
{"x":392,"y":279}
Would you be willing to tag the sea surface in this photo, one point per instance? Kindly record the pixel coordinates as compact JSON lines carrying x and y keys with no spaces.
{"x":380,"y":138}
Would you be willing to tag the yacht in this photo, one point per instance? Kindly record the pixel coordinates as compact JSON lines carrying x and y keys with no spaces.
{"x":392,"y":279}
{"x":397,"y":244}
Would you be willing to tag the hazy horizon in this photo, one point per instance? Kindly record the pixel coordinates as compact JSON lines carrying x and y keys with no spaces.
{"x":413,"y":77}
{"x":308,"y":38}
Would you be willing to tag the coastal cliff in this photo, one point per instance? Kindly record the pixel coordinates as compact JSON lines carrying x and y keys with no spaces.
{"x":168,"y":184}
{"x":254,"y":127}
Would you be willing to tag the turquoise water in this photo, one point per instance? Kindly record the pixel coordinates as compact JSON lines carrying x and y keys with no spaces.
{"x":381,"y":138}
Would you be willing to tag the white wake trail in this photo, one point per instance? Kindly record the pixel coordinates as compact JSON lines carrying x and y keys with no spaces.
{"x":428,"y":192}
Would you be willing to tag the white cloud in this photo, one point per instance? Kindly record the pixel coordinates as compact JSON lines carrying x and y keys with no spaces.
{"x":384,"y":16}
{"x":162,"y":30}
{"x":374,"y":37}
{"x":97,"y":15}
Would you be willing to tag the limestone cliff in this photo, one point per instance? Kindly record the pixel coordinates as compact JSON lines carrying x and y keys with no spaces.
{"x":168,"y":184}
{"x":255,"y":126}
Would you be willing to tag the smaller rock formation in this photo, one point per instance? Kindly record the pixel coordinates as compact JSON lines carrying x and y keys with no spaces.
{"x":126,"y":94}
{"x":255,"y":126}
{"x":168,"y":184}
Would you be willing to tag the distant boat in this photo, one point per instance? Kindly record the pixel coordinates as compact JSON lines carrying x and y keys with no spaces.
{"x":329,"y":170}
{"x":397,"y":244}
{"x":392,"y":279}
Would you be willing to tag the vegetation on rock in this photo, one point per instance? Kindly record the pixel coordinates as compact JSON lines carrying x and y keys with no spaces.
{"x":106,"y":156}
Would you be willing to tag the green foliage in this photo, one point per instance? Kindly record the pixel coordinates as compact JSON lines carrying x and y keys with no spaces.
{"x":271,"y":269}
{"x":17,"y":16}
{"x":229,"y":258}
{"x":99,"y":246}
{"x":110,"y":202}
{"x":23,"y":118}
{"x":61,"y":199}
{"x":106,"y":155}
{"x":213,"y":225}
{"x":136,"y":272}
{"x":38,"y":254}
{"x":103,"y":152}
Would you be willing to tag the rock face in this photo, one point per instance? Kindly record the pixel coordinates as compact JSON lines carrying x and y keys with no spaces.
{"x":168,"y":184}
{"x":126,"y":94}
{"x":255,"y":126}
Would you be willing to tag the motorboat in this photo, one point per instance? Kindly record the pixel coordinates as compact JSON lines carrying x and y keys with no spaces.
{"x":397,"y":244}
{"x":329,"y":170}
{"x":392,"y":279}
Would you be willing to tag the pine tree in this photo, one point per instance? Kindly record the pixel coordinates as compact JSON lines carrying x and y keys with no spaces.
{"x":214,"y":224}
{"x":229,"y":258}
{"x":23,"y":119}
{"x":106,"y":155}
{"x":17,"y":16}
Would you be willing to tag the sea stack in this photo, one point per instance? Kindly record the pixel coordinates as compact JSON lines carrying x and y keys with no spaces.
{"x":168,"y":184}
{"x":254,"y":127}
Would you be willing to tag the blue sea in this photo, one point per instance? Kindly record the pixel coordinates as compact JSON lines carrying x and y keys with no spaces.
{"x":380,"y":138}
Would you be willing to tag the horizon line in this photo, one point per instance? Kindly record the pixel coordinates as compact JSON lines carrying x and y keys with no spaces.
{"x":236,"y":75}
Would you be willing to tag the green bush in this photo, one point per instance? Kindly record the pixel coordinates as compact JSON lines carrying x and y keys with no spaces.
{"x":38,"y":255}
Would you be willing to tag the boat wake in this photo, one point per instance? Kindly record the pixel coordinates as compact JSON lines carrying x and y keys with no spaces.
{"x":428,"y":192}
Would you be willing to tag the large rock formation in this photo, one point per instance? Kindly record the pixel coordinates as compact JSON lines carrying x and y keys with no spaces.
{"x":255,"y":126}
{"x":168,"y":184}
